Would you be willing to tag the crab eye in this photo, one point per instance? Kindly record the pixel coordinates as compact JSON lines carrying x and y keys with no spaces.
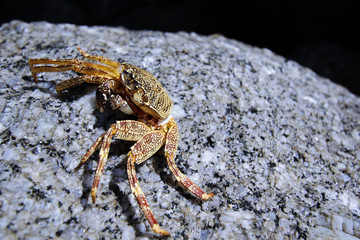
{"x":140,"y":97}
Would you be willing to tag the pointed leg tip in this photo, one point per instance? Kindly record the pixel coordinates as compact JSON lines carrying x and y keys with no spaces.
{"x":156,"y":228}
{"x":93,"y":195}
{"x":81,"y":51}
{"x":35,"y":78}
{"x":78,"y":167}
{"x":206,"y":196}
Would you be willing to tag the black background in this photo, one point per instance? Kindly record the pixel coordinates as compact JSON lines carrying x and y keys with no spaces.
{"x":322,"y":35}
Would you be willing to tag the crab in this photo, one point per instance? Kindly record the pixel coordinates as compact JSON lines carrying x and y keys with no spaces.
{"x":134,"y":91}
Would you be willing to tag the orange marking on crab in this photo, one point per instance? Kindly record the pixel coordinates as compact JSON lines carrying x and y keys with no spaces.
{"x":133,"y":91}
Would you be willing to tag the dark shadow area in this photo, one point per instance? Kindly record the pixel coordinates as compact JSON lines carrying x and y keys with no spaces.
{"x":159,"y":163}
{"x":123,"y":200}
{"x":87,"y":177}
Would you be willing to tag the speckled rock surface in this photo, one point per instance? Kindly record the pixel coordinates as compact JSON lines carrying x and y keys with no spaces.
{"x":277,"y":144}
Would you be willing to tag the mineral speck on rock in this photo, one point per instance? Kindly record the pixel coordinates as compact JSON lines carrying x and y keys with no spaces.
{"x":278,"y":145}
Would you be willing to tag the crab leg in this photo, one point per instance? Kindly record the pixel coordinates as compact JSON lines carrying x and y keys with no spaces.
{"x":100,"y":59}
{"x":103,"y":157}
{"x":170,"y":153}
{"x":142,"y":150}
{"x":129,"y":130}
{"x":63,"y":85}
{"x":90,"y":152}
{"x":76,"y":65}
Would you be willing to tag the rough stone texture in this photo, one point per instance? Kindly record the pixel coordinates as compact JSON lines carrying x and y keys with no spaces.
{"x":277,"y":144}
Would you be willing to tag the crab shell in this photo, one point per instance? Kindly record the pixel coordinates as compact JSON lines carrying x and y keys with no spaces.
{"x":144,"y":93}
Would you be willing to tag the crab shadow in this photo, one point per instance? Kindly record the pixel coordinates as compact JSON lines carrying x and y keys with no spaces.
{"x":128,"y":210}
{"x":118,"y":175}
{"x":162,"y":169}
{"x":119,"y":149}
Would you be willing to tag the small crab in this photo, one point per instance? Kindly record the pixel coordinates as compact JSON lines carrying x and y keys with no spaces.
{"x":133,"y":91}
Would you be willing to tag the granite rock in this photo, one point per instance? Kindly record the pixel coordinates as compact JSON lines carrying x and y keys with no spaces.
{"x":277,"y":144}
